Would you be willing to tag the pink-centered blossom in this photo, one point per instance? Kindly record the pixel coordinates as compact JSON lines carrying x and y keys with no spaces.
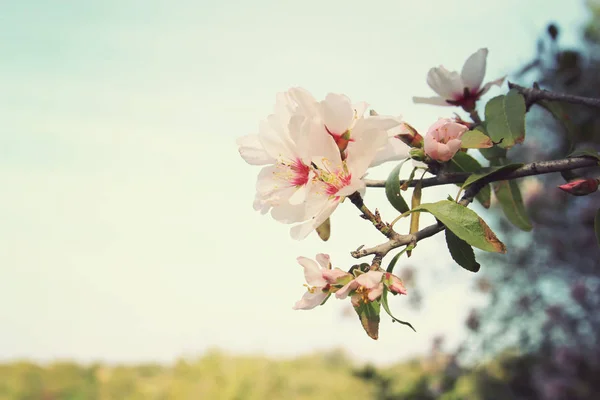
{"x":442,"y":140}
{"x":337,"y":178}
{"x":345,"y":122}
{"x":369,"y":287}
{"x":462,"y":89}
{"x":286,"y":146}
{"x":319,"y":278}
{"x":316,"y":154}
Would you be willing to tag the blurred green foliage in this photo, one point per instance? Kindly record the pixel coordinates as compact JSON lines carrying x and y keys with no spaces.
{"x":217,"y":375}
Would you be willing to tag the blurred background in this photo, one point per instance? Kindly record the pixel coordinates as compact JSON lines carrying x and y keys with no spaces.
{"x":134,"y":267}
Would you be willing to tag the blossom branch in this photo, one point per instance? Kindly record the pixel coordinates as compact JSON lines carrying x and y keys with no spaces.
{"x":383,"y":249}
{"x":535,"y":168}
{"x":382,"y":227}
{"x":535,"y":94}
{"x":375,"y":218}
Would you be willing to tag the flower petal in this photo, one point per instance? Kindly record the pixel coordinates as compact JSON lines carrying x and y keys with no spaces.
{"x":430,"y":146}
{"x":360,"y":108}
{"x":362,"y":151}
{"x":473,"y":70}
{"x":312,"y":273}
{"x":252,"y":151}
{"x":396,"y":285}
{"x":395,"y":149}
{"x":260,"y":205}
{"x":487,"y":86}
{"x":370,"y":280}
{"x":307,"y":104}
{"x":378,"y":122}
{"x":337,"y":113}
{"x":289,"y":213}
{"x":319,"y":148}
{"x":346,"y":289}
{"x":272,"y":184}
{"x":375,"y":292}
{"x":447,"y":84}
{"x":436,"y":101}
{"x":324,"y":260}
{"x":274,"y":139}
{"x":444,"y":153}
{"x":310,"y":300}
{"x":302,"y":230}
{"x":331,"y":276}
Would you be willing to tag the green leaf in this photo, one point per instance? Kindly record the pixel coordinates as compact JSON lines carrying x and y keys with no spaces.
{"x":484,"y":197}
{"x":414,"y":217}
{"x":509,"y":196}
{"x":392,"y":263}
{"x":393,"y":192}
{"x":358,"y":269}
{"x":407,"y":182}
{"x":462,"y":162}
{"x":461,"y":252}
{"x":465,"y":224}
{"x":324,"y":230}
{"x":490,"y":171}
{"x":505,"y":119}
{"x":326,"y":298}
{"x":368,"y":313}
{"x":585,"y":152}
{"x":597,"y":226}
{"x":386,"y":307}
{"x":555,"y":108}
{"x":493,"y":153}
{"x":475,"y":139}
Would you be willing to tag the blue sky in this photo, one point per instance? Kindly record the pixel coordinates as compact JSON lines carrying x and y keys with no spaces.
{"x":127,"y":225}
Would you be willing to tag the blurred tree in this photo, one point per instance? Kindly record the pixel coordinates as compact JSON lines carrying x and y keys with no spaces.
{"x":545,"y":293}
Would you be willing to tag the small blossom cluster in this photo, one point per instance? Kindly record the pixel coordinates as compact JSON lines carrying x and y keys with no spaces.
{"x":362,"y":287}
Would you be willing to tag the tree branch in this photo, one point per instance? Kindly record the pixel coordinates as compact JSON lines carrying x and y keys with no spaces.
{"x":382,"y":227}
{"x":535,"y":168}
{"x":383,"y":249}
{"x":397,"y":240}
{"x":535,"y":94}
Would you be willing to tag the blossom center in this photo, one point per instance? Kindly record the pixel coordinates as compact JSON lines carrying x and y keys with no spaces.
{"x":295,"y":172}
{"x":363,"y":294}
{"x":313,"y":289}
{"x":335,"y":180}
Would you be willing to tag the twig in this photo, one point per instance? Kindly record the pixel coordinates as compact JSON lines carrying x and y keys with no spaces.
{"x":381,"y":226}
{"x":535,"y":168}
{"x":383,"y":249}
{"x":475,"y":116}
{"x":534,"y":94}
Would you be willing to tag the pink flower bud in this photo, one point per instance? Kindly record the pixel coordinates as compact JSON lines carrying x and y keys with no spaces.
{"x":394,"y":284}
{"x":580,"y":187}
{"x":442,"y":140}
{"x":410,"y":136}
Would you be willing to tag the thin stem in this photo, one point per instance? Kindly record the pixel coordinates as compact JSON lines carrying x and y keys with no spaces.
{"x":534,"y":94}
{"x":535,"y":168}
{"x":475,"y":116}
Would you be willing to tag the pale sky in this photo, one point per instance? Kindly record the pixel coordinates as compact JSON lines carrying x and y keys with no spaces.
{"x":127,"y":231}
